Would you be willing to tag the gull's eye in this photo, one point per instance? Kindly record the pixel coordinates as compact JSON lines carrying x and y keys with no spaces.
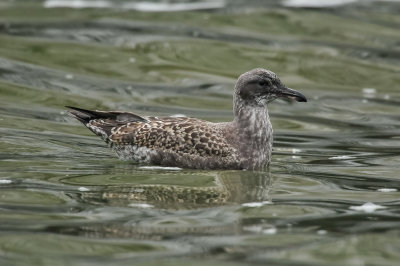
{"x":262,"y":83}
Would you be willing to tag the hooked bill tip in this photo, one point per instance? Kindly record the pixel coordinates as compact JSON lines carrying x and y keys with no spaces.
{"x":295,"y":95}
{"x":301,"y":98}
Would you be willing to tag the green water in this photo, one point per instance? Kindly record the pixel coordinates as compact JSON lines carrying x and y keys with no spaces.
{"x":65,"y":199}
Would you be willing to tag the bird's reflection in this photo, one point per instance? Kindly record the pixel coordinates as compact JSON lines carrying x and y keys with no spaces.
{"x":229,"y":188}
{"x":246,"y":186}
{"x":160,"y":211}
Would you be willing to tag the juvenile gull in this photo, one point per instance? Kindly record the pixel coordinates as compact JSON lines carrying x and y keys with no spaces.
{"x":244,"y":143}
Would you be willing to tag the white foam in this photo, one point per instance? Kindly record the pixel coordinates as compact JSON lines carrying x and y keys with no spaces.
{"x":369,"y":90}
{"x":173,"y":7}
{"x":261,"y":229}
{"x":77,"y":4}
{"x":296,"y":150}
{"x":386,"y":189}
{"x":270,"y":231}
{"x":5,"y":181}
{"x":341,"y":157}
{"x":256,"y":204}
{"x":160,"y":168}
{"x":141,"y":205}
{"x":253,"y":228}
{"x":139,"y":6}
{"x":69,"y":76}
{"x":367,"y":207}
{"x":178,"y":115}
{"x":316,"y":3}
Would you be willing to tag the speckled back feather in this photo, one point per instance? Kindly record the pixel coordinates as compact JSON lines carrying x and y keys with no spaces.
{"x":178,"y":134}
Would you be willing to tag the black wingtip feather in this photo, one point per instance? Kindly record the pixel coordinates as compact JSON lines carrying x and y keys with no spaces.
{"x":84,"y":115}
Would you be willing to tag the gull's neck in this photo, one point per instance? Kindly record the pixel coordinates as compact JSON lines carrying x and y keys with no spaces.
{"x":254,"y":134}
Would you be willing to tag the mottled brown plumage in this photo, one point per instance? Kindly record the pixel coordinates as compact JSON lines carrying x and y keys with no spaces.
{"x":244,"y":143}
{"x":181,"y":135}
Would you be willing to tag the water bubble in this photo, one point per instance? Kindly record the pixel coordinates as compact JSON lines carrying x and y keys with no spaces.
{"x":296,"y":150}
{"x":367,"y":207}
{"x":69,"y":76}
{"x":77,"y":4}
{"x":369,"y":92}
{"x":341,"y":157}
{"x":261,"y":229}
{"x":365,"y":54}
{"x":256,"y":204}
{"x":178,"y":115}
{"x":160,"y":168}
{"x":270,"y":231}
{"x":316,"y":3}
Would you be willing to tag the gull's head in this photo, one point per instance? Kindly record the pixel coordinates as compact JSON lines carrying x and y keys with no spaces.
{"x":260,"y":86}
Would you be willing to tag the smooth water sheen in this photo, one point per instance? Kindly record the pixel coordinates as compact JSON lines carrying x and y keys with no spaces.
{"x":330,"y":197}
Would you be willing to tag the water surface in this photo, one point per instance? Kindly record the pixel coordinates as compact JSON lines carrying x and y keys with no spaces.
{"x":331,"y":195}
